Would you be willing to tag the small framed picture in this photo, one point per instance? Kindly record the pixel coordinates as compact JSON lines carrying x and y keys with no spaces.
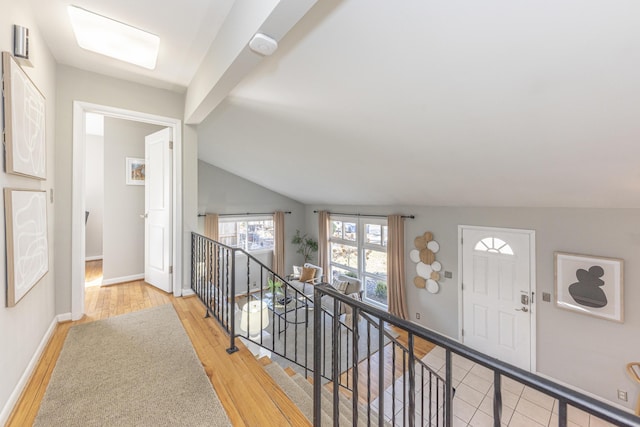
{"x":135,"y":171}
{"x":590,"y":285}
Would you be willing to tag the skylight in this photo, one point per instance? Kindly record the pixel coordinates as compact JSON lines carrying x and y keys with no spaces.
{"x":114,"y":39}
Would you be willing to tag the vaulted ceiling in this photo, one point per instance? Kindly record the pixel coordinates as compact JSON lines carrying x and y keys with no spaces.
{"x":418,"y":102}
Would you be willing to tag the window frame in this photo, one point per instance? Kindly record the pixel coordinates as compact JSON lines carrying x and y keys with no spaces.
{"x":361,"y":246}
{"x":246,"y":219}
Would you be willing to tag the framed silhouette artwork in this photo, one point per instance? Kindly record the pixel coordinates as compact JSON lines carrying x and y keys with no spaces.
{"x":590,"y":285}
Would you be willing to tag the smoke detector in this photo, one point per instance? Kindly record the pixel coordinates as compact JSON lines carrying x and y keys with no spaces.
{"x":264,"y":45}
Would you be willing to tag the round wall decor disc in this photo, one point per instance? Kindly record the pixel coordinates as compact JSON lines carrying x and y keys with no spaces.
{"x":435,"y":275}
{"x":419,"y":282}
{"x":433,"y":246}
{"x":414,"y":255}
{"x":432,"y":286}
{"x":427,"y":256}
{"x":436,"y":266}
{"x":420,"y":242}
{"x":428,"y":236}
{"x":424,"y":270}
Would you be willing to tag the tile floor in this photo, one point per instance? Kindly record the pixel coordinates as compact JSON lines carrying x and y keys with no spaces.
{"x":473,"y":402}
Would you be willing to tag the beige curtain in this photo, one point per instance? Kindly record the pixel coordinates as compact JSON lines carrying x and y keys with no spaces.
{"x":324,"y":259}
{"x":211,"y":226}
{"x":395,"y":267}
{"x":278,"y":250}
{"x":211,"y":259}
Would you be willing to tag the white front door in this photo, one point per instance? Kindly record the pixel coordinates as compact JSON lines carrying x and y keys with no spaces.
{"x":497,"y":293}
{"x":158,"y":203}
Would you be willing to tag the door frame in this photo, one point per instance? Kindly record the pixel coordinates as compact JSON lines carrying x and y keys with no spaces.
{"x":532,"y":278}
{"x":78,"y":194}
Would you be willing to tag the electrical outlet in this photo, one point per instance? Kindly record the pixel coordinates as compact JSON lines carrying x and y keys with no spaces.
{"x":546,"y":297}
{"x":253,"y":285}
{"x":418,"y":316}
{"x":622,"y":395}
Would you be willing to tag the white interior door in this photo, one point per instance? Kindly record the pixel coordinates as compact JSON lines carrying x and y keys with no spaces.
{"x":497,"y":294}
{"x":158,"y":203}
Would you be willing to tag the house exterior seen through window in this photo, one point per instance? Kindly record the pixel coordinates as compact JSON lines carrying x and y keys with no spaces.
{"x":250,"y":234}
{"x":359,"y":249}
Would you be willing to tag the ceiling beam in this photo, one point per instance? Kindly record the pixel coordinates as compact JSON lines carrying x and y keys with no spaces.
{"x":229,"y":58}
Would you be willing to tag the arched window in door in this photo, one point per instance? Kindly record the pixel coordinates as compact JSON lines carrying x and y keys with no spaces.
{"x":494,"y":245}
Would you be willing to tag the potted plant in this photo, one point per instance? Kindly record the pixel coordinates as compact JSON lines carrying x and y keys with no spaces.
{"x":306,"y":245}
{"x":274,"y":286}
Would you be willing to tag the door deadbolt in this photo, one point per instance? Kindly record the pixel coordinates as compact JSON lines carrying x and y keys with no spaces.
{"x":524,"y":299}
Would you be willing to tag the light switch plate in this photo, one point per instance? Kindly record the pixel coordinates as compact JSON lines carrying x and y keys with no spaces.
{"x":546,"y":297}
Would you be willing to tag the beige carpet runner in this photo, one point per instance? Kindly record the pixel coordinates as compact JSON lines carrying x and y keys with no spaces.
{"x":138,"y":369}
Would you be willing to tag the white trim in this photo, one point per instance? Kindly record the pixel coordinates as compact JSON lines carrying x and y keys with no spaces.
{"x":64,"y":317}
{"x":93,"y":258}
{"x":78,"y":194}
{"x":187,"y":292}
{"x":532,"y":277}
{"x":123,"y":279}
{"x":24,"y":379}
{"x":588,"y":393}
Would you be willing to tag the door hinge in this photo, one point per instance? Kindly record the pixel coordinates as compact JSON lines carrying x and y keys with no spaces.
{"x":462,"y":332}
{"x":170,"y":145}
{"x":462,"y":286}
{"x":171,"y":269}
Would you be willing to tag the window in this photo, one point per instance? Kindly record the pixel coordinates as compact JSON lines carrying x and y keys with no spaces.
{"x":494,"y":245}
{"x":359,"y":249}
{"x":250,"y":234}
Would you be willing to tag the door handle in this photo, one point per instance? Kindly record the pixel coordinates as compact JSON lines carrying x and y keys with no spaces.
{"x":525,"y":309}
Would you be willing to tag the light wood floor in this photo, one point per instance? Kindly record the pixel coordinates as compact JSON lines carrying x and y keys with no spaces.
{"x":93,"y":272}
{"x":247,"y":392}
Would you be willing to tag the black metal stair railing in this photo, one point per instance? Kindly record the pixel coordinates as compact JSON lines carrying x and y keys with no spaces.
{"x":411,"y":378}
{"x":413,"y":386}
{"x":226,"y":279}
{"x":357,"y":357}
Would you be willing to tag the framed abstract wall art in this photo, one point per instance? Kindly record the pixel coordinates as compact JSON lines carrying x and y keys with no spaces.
{"x":24,"y":121}
{"x":27,"y":243}
{"x":590,"y":285}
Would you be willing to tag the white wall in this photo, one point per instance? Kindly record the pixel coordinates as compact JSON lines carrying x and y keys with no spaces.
{"x":583,"y":351}
{"x":123,"y":204}
{"x":94,"y":195}
{"x":77,"y":85}
{"x":222,"y":192}
{"x":23,"y":327}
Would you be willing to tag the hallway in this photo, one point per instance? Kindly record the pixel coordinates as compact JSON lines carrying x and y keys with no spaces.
{"x":238,"y":379}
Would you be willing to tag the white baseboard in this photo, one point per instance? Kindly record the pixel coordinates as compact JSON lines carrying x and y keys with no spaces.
{"x":64,"y":317}
{"x":17,"y":391}
{"x":592,"y":395}
{"x":187,"y":292}
{"x":117,"y":280}
{"x":93,"y":258}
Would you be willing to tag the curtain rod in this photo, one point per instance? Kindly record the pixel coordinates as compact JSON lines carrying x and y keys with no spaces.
{"x":247,"y":214}
{"x":366,"y":215}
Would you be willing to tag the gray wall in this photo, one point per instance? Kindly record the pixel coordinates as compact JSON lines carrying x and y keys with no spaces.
{"x":123,"y":204}
{"x":223,"y":192}
{"x":94,"y":195}
{"x":77,"y":85}
{"x":583,"y":351}
{"x":23,"y":327}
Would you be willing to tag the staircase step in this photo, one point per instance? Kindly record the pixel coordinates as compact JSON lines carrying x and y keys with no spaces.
{"x":297,"y":395}
{"x":300,"y":391}
{"x":327,"y":400}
